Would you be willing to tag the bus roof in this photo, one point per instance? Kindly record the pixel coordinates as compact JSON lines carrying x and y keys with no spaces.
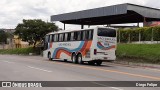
{"x":64,"y":31}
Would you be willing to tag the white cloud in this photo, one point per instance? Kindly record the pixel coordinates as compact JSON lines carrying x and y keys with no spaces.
{"x":13,"y":11}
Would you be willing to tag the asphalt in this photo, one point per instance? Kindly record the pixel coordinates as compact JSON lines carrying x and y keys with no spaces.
{"x":37,"y":68}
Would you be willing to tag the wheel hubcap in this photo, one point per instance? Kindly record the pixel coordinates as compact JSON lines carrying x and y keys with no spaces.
{"x":79,"y":59}
{"x":73,"y":58}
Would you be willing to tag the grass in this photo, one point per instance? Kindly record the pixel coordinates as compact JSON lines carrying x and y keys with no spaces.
{"x":148,"y":53}
{"x":139,"y":52}
{"x":23,"y":51}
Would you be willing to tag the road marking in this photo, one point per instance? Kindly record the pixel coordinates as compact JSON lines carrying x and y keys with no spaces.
{"x":39,"y":69}
{"x":107,"y":86}
{"x":100,"y":84}
{"x":114,"y":71}
{"x":8,"y":62}
{"x":116,"y":88}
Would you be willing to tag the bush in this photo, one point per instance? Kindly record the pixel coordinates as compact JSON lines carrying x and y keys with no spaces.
{"x":135,"y":35}
{"x":156,"y":33}
{"x":124,"y":35}
{"x":24,"y":51}
{"x":146,"y":33}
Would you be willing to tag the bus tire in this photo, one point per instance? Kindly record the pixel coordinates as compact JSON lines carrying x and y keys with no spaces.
{"x":49,"y":56}
{"x":79,"y":59}
{"x":98,"y":63}
{"x":74,"y":59}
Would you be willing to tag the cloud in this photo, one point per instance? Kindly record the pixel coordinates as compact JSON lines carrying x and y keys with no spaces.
{"x":13,"y":11}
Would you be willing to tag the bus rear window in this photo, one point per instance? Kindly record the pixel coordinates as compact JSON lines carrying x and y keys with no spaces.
{"x":106,"y":32}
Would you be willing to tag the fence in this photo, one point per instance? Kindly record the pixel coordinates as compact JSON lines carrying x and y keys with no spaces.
{"x":139,"y":35}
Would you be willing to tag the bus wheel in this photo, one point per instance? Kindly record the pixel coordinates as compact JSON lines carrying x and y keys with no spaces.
{"x":79,"y":59}
{"x":98,"y":63}
{"x":49,"y":56}
{"x":74,"y":59}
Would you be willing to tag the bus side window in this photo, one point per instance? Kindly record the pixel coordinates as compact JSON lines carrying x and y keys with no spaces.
{"x":58,"y":39}
{"x":83,"y":36}
{"x":46,"y":42}
{"x":79,"y":35}
{"x":72,"y":36}
{"x":75,"y":36}
{"x":63,"y":39}
{"x":46,"y":39}
{"x":52,"y":38}
{"x":55,"y":38}
{"x":66,"y":35}
{"x":92,"y":31}
{"x":69,"y":37}
{"x":90,"y":34}
{"x":87,"y":35}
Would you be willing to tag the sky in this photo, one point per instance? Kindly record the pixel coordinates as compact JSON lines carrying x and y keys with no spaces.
{"x":13,"y":12}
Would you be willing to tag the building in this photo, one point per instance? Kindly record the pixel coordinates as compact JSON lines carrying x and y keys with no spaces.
{"x":13,"y":41}
{"x":154,"y":23}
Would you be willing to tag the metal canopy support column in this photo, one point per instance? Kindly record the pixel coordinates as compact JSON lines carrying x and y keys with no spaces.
{"x":64,"y":26}
{"x":82,"y":26}
{"x":138,"y":24}
{"x":144,"y":22}
{"x":88,"y":26}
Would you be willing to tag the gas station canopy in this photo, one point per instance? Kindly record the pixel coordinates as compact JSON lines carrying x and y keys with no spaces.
{"x":117,"y":14}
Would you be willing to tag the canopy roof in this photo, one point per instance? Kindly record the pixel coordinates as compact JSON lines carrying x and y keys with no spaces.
{"x":117,"y":14}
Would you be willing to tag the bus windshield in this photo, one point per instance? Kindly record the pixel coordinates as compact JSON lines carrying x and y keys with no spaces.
{"x":106,"y":32}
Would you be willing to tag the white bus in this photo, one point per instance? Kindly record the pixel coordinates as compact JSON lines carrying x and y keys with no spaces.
{"x":87,"y":45}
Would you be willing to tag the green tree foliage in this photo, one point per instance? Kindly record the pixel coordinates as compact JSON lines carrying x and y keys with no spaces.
{"x":33,"y":31}
{"x":3,"y":36}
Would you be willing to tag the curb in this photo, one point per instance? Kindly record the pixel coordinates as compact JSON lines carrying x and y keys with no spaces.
{"x":132,"y":64}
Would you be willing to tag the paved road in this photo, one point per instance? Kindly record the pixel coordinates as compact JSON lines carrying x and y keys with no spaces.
{"x":36,"y":68}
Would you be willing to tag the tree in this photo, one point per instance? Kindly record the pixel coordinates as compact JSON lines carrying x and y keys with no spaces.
{"x":33,"y":31}
{"x":3,"y":36}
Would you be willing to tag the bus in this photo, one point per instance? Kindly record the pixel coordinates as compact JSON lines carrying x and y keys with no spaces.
{"x":93,"y":45}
